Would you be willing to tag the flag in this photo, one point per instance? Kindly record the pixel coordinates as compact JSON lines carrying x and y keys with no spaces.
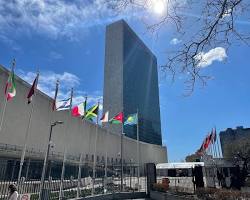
{"x":205,"y":144}
{"x":214,"y":136}
{"x":131,"y":120}
{"x":10,"y":87}
{"x":118,"y":119}
{"x":79,"y":110}
{"x":207,"y":141}
{"x":105,"y":117}
{"x":32,"y":89}
{"x":92,"y":112}
{"x":63,"y":104}
{"x":55,"y":97}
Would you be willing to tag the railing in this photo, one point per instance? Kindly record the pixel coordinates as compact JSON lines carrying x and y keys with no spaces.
{"x":74,"y":184}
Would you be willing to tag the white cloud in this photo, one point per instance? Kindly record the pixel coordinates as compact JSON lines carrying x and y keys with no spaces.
{"x":79,"y":97}
{"x":63,"y":18}
{"x":206,"y":59}
{"x":52,"y":17}
{"x":56,"y":18}
{"x":175,"y":41}
{"x":47,"y":83}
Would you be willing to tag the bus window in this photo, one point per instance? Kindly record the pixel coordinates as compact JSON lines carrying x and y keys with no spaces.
{"x":182,"y":172}
{"x":172,"y":173}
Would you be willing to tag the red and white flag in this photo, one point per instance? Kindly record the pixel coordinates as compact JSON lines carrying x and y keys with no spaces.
{"x":105,"y":117}
{"x":79,"y":110}
{"x":32,"y":89}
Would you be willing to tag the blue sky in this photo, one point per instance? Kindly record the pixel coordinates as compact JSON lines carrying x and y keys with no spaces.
{"x":66,"y":41}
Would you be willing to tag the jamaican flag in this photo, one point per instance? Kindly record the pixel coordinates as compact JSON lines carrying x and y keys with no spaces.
{"x":92,"y":112}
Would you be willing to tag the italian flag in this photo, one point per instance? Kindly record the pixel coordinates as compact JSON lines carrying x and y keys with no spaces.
{"x":118,"y":119}
{"x":10,"y":87}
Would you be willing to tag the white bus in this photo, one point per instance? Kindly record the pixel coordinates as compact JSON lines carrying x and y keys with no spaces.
{"x":181,"y":175}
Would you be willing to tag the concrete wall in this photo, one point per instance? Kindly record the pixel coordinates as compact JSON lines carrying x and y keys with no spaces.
{"x":80,"y":135}
{"x":123,"y":195}
{"x":113,"y":72}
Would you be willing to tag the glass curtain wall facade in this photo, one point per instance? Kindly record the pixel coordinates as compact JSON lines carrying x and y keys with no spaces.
{"x":131,"y":82}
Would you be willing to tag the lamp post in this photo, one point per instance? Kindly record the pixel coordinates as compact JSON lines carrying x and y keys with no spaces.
{"x":130,"y":173}
{"x":46,"y":157}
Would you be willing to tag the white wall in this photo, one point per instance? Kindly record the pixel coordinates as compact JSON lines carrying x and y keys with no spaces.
{"x":80,"y":135}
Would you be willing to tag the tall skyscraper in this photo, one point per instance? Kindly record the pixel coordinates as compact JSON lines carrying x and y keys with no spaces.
{"x":131,"y":82}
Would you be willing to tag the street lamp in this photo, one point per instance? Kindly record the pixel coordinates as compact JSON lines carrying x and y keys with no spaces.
{"x":130,"y":173}
{"x":55,"y":123}
{"x":46,"y":157}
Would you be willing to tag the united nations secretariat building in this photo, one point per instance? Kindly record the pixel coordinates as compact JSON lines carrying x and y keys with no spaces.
{"x":130,"y":84}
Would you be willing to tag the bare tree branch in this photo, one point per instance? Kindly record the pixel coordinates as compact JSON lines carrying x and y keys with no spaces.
{"x":214,"y":26}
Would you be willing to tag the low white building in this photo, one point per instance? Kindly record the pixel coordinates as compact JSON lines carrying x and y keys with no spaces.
{"x":77,"y":135}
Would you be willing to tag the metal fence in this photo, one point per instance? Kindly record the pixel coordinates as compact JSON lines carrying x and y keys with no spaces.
{"x":76,"y":182}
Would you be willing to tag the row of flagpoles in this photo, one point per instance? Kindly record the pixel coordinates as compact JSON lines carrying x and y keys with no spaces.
{"x":210,"y":145}
{"x":79,"y":110}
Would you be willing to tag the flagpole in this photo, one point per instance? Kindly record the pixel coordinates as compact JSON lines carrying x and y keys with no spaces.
{"x":5,"y":98}
{"x":214,"y":150}
{"x":215,"y":144}
{"x":219,"y":147}
{"x":122,"y":158}
{"x":138,"y":152}
{"x":28,"y":130}
{"x":81,"y":157}
{"x":88,"y":161}
{"x":62,"y":174}
{"x":25,"y":145}
{"x":3,"y":113}
{"x":79,"y":176}
{"x":106,"y":162}
{"x":94,"y":163}
{"x":215,"y":147}
{"x":211,"y":149}
{"x":65,"y":148}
